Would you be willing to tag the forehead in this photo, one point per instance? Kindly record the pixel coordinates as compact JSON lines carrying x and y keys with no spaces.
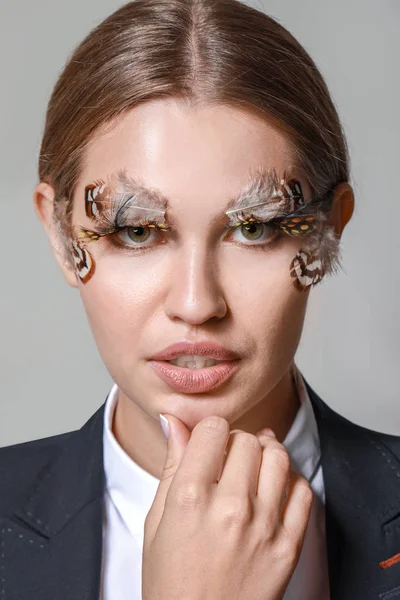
{"x":197,"y":157}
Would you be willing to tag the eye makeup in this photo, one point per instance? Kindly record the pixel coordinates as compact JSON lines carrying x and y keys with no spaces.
{"x":83,"y":260}
{"x":112,"y":212}
{"x":320,"y":255}
{"x":267,"y":199}
{"x":284,"y":207}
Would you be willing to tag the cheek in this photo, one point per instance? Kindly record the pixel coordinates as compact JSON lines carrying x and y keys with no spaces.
{"x":119,"y":301}
{"x":124,"y":298}
{"x":284,"y":320}
{"x":271,"y":310}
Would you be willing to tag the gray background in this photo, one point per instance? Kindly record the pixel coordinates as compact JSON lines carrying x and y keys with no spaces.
{"x":52,"y":378}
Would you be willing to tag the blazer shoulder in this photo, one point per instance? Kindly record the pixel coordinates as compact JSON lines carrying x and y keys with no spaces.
{"x":379,"y":439}
{"x":21,"y":464}
{"x":344,"y":429}
{"x":347,"y":428}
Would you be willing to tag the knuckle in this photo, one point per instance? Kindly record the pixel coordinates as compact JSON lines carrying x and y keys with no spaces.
{"x":188,"y":495}
{"x":236,"y":512}
{"x":268,"y":530}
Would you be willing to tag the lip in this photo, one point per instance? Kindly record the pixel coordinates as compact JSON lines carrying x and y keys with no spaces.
{"x":210,"y":349}
{"x":195,"y":381}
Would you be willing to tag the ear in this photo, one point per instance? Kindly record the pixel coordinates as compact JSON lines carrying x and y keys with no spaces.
{"x":43,"y":199}
{"x":342,"y":207}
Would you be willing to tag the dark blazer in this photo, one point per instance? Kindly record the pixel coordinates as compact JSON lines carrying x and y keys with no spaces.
{"x":51,"y":503}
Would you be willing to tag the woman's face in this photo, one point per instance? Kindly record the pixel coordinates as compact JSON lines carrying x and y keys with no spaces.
{"x":192,"y":282}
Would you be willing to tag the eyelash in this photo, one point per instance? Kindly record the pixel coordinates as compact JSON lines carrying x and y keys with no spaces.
{"x":146,"y":247}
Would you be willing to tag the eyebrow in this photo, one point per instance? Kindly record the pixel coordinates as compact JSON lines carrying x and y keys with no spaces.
{"x":259,"y":189}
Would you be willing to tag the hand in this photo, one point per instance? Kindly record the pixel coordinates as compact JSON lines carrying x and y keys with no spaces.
{"x":220,"y":526}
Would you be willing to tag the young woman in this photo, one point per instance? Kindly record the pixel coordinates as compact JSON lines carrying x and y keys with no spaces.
{"x":194,"y":185}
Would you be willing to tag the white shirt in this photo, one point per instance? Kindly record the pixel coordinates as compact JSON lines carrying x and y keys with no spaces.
{"x":130,"y":492}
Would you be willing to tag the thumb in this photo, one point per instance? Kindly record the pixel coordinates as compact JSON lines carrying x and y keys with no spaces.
{"x":178,"y":438}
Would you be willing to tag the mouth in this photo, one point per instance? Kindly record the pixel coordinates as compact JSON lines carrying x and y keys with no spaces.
{"x":205,"y":349}
{"x":192,"y":361}
{"x":193,"y":374}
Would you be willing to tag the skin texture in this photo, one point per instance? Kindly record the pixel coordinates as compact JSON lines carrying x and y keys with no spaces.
{"x":198,"y":285}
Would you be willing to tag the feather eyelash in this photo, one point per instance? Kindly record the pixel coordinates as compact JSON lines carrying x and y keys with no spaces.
{"x":283,"y":199}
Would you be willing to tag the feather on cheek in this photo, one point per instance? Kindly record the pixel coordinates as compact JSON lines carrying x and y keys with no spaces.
{"x":83,"y":261}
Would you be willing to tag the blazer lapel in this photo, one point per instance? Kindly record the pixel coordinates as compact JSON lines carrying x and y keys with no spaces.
{"x":361,"y":471}
{"x":52,"y":546}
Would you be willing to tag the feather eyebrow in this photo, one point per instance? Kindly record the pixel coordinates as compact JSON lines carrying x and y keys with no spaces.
{"x":264,"y":188}
{"x":260,"y":189}
{"x":129,"y":187}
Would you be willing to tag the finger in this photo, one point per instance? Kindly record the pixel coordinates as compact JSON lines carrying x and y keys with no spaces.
{"x":273,"y":478}
{"x":203,"y":459}
{"x":178,"y":439}
{"x":263,"y":436}
{"x":297,"y":507}
{"x":242,"y":464}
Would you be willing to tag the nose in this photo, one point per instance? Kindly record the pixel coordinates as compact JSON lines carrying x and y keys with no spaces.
{"x":194,"y":292}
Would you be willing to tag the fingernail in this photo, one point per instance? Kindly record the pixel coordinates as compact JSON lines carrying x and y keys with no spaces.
{"x":164,"y":425}
{"x":268,"y":432}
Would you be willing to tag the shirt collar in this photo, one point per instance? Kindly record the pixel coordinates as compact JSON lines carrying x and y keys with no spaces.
{"x":132,"y":488}
{"x":302,"y":439}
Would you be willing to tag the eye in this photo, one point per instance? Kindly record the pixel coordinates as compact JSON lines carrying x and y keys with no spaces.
{"x":256,"y":231}
{"x":140,"y":236}
{"x":135,"y":234}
